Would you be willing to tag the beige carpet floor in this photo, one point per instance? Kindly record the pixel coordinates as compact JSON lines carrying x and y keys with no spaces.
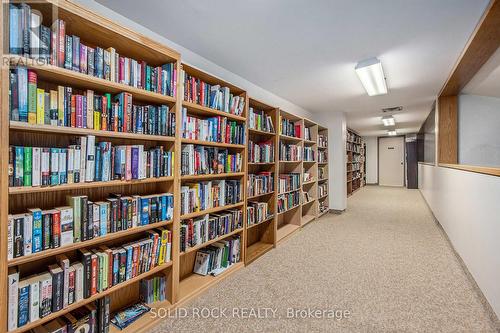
{"x":384,"y":260}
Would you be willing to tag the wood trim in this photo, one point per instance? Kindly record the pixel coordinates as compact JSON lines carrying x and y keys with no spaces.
{"x":447,"y":129}
{"x":483,"y":42}
{"x":476,"y":169}
{"x":427,"y":163}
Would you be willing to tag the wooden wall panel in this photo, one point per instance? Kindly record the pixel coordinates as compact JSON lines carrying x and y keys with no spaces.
{"x":448,"y":129}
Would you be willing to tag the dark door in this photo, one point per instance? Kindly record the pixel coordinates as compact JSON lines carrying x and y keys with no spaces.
{"x":411,"y":164}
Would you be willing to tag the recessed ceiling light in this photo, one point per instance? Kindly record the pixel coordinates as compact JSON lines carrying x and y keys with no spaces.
{"x":372,"y":76}
{"x":391,"y":133}
{"x":388,"y":121}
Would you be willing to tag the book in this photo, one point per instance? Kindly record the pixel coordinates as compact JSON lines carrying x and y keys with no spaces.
{"x":23,"y":316}
{"x":45,"y":294}
{"x":13,"y":299}
{"x":34,"y":297}
{"x":57,"y":287}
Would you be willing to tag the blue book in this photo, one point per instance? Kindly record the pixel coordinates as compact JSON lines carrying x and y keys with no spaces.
{"x":15,"y":38}
{"x":54,"y":166}
{"x":103,"y":213}
{"x":128,"y":270}
{"x":99,"y":62}
{"x":135,"y":163}
{"x":37,"y":230}
{"x":22,"y":91}
{"x":23,"y":316}
{"x":144,"y":209}
{"x":163,"y":205}
{"x":68,"y":59}
{"x":76,"y":53}
{"x":98,"y":163}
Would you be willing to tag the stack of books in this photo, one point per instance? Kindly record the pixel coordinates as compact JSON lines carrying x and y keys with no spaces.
{"x":290,"y":128}
{"x":290,"y":152}
{"x":260,"y":121}
{"x":261,"y":152}
{"x":257,"y":212}
{"x":288,"y":182}
{"x":214,"y":129}
{"x":196,"y":197}
{"x":201,"y":160}
{"x":216,"y":258}
{"x":261,"y":183}
{"x":288,"y":200}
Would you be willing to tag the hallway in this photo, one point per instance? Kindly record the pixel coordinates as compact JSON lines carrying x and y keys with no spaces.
{"x":384,"y":263}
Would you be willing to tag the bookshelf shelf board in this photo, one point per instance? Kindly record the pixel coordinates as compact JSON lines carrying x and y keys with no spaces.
{"x":308,"y":162}
{"x":322,"y":179}
{"x":290,"y":162}
{"x":210,"y":210}
{"x":323,"y":196}
{"x":321,"y":147}
{"x":259,"y":132}
{"x":88,"y":243}
{"x":310,"y":142}
{"x":196,"y":109}
{"x":261,"y":163}
{"x":77,"y":186}
{"x":290,"y":191}
{"x":290,"y":209}
{"x":259,"y":195}
{"x":212,"y":144}
{"x":309,"y":182}
{"x":63,"y":130}
{"x":309,"y":202}
{"x":286,"y":230}
{"x":91,"y":299}
{"x":306,"y":219}
{"x":262,"y":222}
{"x":214,"y":176}
{"x":290,"y":138}
{"x":256,"y":250}
{"x":322,"y":163}
{"x":63,"y":76}
{"x":200,"y":246}
{"x":193,"y":284}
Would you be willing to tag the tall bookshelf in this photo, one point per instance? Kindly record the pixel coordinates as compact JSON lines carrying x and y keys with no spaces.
{"x":96,"y":31}
{"x":323,"y":205}
{"x":290,"y":217}
{"x":261,"y":231}
{"x":355,"y":151}
{"x":189,"y":283}
{"x":310,"y":173}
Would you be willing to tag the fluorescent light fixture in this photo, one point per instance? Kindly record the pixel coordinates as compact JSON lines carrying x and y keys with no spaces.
{"x":372,"y":76}
{"x":391,"y":133}
{"x":388,"y":121}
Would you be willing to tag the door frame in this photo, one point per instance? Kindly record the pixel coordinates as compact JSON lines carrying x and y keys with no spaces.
{"x":404,"y":156}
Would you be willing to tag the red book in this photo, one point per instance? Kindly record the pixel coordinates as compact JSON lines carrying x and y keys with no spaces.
{"x":79,"y":111}
{"x":71,"y":287}
{"x":135,"y":254}
{"x":73,"y":111}
{"x":93,"y":283}
{"x":62,"y":43}
{"x":56,"y":228}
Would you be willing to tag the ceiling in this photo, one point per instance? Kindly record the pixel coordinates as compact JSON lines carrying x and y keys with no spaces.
{"x":306,"y":51}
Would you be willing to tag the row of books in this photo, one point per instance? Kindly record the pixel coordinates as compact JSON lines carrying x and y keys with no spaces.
{"x":307,"y":134}
{"x":218,"y":257}
{"x":261,"y":152}
{"x":153,"y":289}
{"x":288,"y":182}
{"x":288,"y":201}
{"x":323,"y":140}
{"x":290,"y":152}
{"x":202,"y":160}
{"x":290,"y":127}
{"x":29,"y":37}
{"x":195,"y":232}
{"x":214,"y":129}
{"x":306,"y":197}
{"x":212,"y":96}
{"x":323,"y":205}
{"x":307,"y":177}
{"x":260,"y":183}
{"x":309,"y":154}
{"x":200,"y":196}
{"x":81,"y":220}
{"x":86,"y":161}
{"x":322,"y":173}
{"x":66,"y":283}
{"x":353,"y":138}
{"x":64,"y":106}
{"x":353,"y":147}
{"x":257,"y":212}
{"x":259,"y":120}
{"x":322,"y":190}
{"x":322,"y":156}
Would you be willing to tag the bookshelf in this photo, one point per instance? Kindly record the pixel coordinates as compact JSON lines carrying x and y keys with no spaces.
{"x":262,"y":179}
{"x":310,"y":173}
{"x":355,"y":151}
{"x":323,"y":205}
{"x":94,"y":31}
{"x":186,"y":173}
{"x":290,"y":144}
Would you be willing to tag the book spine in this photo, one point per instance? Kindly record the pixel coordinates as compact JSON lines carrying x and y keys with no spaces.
{"x":27,"y":168}
{"x":12,"y":315}
{"x":34,"y":301}
{"x":57,"y":291}
{"x":23,"y":306}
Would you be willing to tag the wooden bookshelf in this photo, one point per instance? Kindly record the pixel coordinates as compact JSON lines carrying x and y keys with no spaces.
{"x":261,"y":236}
{"x":323,"y":204}
{"x":310,"y":173}
{"x":355,"y":151}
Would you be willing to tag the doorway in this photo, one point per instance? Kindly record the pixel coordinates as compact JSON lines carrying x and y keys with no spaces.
{"x":391,"y":161}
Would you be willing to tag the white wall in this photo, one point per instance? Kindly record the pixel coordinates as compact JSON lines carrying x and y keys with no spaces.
{"x":337,"y":177}
{"x":371,"y":159}
{"x":466,"y":205}
{"x":198,"y":61}
{"x":478,"y":125}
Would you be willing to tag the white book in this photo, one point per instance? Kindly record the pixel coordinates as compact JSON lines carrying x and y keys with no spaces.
{"x":201,"y":263}
{"x":64,"y":263}
{"x":10,"y":237}
{"x":35,"y":35}
{"x":96,"y":219}
{"x":78,"y":281}
{"x":90,"y":158}
{"x":27,"y":233}
{"x":66,"y":218}
{"x":34,"y":304}
{"x":83,"y":158}
{"x":36,"y":171}
{"x":63,"y":176}
{"x":76,"y":164}
{"x":13,"y":285}
{"x":45,"y":291}
{"x":141,"y":164}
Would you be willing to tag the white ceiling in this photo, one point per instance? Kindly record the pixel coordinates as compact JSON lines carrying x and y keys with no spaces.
{"x":305,"y":51}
